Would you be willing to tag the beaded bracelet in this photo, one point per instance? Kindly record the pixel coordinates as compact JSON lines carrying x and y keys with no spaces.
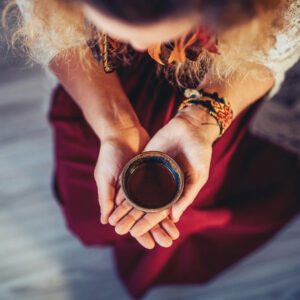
{"x":219,"y":108}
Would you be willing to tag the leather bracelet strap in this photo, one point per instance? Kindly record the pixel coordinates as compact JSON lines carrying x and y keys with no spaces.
{"x":219,"y":108}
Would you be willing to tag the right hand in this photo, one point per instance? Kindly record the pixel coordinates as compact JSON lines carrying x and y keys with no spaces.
{"x":117,"y":148}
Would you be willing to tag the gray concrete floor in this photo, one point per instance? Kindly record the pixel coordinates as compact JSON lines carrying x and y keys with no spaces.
{"x":39,"y":259}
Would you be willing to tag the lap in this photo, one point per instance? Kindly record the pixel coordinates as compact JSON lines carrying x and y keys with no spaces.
{"x":251,"y":180}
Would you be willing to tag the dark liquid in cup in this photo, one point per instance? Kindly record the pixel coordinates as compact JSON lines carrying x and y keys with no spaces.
{"x":151,"y":185}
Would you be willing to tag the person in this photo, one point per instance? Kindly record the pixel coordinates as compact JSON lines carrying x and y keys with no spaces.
{"x":184,"y":78}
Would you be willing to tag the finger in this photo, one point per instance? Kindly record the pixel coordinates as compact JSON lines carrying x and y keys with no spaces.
{"x":128,"y":221}
{"x":146,"y":240}
{"x":106,"y":194}
{"x":119,"y":212}
{"x":191,"y":190}
{"x":147,"y":222}
{"x":161,"y":237}
{"x":169,"y":226}
{"x":119,"y":197}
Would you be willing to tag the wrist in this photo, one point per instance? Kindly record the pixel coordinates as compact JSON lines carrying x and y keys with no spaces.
{"x":114,"y":125}
{"x":118,"y":131}
{"x":218,"y":108}
{"x":110,"y":117}
{"x":198,"y":118}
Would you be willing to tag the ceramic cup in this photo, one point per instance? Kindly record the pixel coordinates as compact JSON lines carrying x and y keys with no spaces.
{"x":152,"y":181}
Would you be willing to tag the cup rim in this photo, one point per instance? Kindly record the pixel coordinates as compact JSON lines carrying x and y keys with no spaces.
{"x":153,"y":154}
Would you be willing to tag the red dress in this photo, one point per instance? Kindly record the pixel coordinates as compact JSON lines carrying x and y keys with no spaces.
{"x":250,"y":194}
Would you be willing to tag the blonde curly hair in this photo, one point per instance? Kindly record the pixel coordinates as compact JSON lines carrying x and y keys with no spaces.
{"x":55,"y":26}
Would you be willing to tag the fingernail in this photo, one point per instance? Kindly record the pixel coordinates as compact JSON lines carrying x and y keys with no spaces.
{"x":175,"y":215}
{"x":133,"y":233}
{"x":119,"y":230}
{"x":167,"y":245}
{"x":111,"y":221}
{"x":103,"y":220}
{"x":151,"y":247}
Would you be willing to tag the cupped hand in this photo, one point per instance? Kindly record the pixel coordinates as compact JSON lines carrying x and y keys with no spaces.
{"x":187,"y":138}
{"x":117,"y":148}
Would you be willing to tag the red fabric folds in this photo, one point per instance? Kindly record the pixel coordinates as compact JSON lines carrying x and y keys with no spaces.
{"x":250,"y":194}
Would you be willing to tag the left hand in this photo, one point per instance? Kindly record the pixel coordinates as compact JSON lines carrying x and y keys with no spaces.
{"x":190,"y":144}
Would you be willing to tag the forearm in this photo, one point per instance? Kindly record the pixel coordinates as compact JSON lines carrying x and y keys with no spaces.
{"x":100,"y":96}
{"x":240,"y":92}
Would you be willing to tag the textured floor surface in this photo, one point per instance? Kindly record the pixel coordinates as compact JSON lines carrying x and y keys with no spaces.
{"x":40,"y":260}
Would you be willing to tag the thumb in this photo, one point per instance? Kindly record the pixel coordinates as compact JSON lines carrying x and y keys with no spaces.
{"x":157,"y":143}
{"x":192,"y":187}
